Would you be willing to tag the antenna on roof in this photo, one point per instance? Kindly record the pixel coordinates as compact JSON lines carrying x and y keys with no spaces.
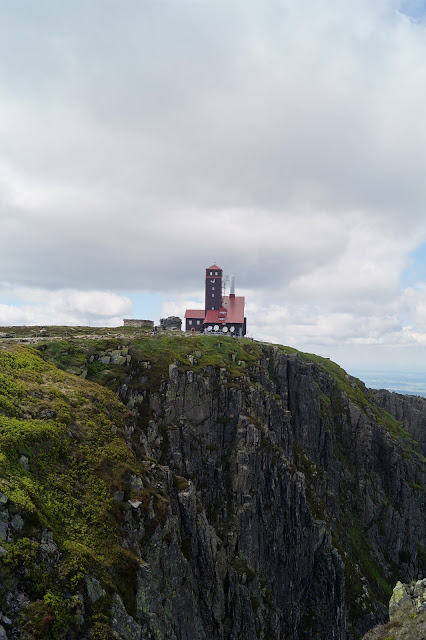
{"x":225,"y":281}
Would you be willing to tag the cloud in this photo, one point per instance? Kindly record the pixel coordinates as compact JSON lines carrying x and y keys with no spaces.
{"x":284,"y":141}
{"x":62,"y":307}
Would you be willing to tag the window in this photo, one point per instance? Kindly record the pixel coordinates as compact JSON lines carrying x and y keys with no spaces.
{"x":212,"y":295}
{"x":189,"y":321}
{"x":211,"y":273}
{"x":198,"y":321}
{"x":212,"y":288}
{"x":212,"y":308}
{"x":215,"y":273}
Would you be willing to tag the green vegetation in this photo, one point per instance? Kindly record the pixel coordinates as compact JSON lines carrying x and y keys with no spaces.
{"x":162,"y":350}
{"x":363,"y":554}
{"x":55,"y":333}
{"x":242,"y":568}
{"x":421,"y":556}
{"x":70,"y":432}
{"x":181,"y":484}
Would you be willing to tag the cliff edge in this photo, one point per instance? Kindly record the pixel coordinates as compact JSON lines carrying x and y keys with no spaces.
{"x":199,"y":488}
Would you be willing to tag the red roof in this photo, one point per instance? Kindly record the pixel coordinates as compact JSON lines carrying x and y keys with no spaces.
{"x":214,"y":266}
{"x":212,"y":316}
{"x":234,"y":306}
{"x":234,"y":312}
{"x":195,"y":313}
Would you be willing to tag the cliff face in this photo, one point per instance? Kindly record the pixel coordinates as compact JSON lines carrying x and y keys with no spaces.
{"x":262,"y":494}
{"x":410,"y":411}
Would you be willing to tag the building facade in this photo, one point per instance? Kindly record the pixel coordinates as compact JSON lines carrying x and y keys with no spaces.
{"x":221,"y":314}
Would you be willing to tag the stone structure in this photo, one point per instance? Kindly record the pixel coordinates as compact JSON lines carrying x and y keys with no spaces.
{"x":172,"y":322}
{"x":137,"y":324}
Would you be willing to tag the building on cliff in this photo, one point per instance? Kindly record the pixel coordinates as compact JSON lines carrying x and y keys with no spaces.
{"x":224,"y":314}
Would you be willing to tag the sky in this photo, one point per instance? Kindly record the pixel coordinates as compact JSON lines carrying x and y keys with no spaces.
{"x":285,"y":141}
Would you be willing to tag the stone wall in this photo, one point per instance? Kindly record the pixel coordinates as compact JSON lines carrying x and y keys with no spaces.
{"x":138,"y":323}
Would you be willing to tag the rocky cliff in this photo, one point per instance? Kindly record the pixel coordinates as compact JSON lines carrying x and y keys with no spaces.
{"x":199,"y":488}
{"x":410,"y":411}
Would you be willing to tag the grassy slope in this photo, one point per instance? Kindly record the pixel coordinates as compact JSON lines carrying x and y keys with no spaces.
{"x":71,"y":431}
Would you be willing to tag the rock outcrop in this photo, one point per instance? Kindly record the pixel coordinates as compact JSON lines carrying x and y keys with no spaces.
{"x":410,"y":411}
{"x":171,"y":323}
{"x":248,"y":491}
{"x":407,"y":614}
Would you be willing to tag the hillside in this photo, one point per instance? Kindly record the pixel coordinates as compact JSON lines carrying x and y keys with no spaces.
{"x":172,"y":487}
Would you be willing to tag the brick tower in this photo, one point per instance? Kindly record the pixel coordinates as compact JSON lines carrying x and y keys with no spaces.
{"x":213,"y":288}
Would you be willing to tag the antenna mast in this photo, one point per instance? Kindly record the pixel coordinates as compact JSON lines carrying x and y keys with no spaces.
{"x":225,"y":281}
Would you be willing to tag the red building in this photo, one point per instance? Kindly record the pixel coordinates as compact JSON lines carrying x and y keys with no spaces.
{"x":223,"y":314}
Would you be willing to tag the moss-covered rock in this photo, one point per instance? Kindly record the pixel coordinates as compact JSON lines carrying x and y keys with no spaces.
{"x":407,"y":614}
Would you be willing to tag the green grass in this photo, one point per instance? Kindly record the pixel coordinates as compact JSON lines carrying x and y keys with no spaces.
{"x":363,"y":555}
{"x":76,"y":461}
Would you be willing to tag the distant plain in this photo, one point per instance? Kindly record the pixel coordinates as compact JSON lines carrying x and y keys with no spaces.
{"x":411,"y":383}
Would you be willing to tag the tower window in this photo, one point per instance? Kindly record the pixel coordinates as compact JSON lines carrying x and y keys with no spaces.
{"x":211,"y":273}
{"x":212,"y":288}
{"x":212,"y":295}
{"x":215,"y":273}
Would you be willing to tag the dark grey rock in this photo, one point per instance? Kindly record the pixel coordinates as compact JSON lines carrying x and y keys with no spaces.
{"x":121,"y":622}
{"x":93,"y":589}
{"x":173,"y":323}
{"x":409,"y":410}
{"x":17,"y":522}
{"x":4,"y":525}
{"x":247,"y":548}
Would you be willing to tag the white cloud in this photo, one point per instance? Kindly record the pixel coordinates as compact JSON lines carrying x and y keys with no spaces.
{"x":62,"y":307}
{"x":284,"y":141}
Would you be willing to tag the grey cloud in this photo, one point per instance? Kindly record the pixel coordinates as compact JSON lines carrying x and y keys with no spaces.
{"x":150,"y":128}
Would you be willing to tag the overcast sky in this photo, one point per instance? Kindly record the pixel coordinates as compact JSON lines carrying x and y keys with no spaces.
{"x":284,"y":140}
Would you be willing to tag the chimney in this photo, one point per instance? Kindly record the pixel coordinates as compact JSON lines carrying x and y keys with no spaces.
{"x":232,"y":287}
